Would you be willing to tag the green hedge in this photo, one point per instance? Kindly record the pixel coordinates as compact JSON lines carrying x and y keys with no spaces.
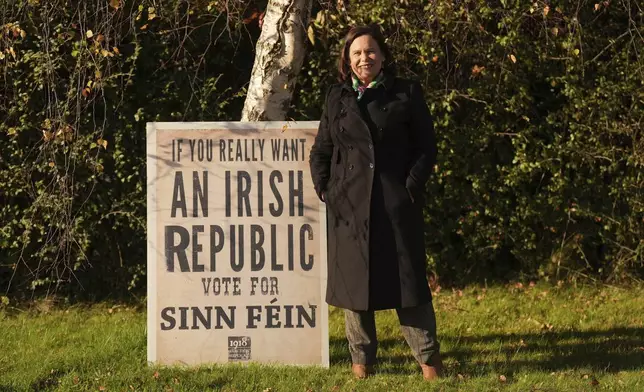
{"x":537,"y":107}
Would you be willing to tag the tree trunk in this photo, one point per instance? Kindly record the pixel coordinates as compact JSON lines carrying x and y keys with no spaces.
{"x":279,"y":55}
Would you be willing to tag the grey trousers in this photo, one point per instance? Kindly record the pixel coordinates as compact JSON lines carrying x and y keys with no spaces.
{"x":418,"y":325}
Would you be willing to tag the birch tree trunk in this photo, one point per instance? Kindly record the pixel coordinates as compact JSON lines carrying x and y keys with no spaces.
{"x":279,"y":54}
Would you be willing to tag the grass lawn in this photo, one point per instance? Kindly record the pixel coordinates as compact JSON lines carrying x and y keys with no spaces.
{"x":509,"y":338}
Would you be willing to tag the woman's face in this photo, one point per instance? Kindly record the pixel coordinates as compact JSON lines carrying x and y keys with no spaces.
{"x":365,"y":58}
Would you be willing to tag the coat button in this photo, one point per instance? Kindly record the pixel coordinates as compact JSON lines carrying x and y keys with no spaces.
{"x":384,"y":108}
{"x":350,"y":148}
{"x":371,"y":165}
{"x":341,"y":129}
{"x":370,"y":146}
{"x":380,"y":129}
{"x":351,"y":167}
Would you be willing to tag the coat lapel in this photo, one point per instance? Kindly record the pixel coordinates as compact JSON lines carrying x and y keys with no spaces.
{"x":349,"y":107}
{"x":349,"y":104}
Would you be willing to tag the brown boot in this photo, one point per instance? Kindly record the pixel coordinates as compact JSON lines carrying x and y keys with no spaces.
{"x":434,"y":369}
{"x":361,"y":371}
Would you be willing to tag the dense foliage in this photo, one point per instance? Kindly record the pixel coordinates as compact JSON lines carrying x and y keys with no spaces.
{"x":538,"y":110}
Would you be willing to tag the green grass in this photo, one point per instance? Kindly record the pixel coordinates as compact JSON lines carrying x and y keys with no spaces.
{"x":541,"y":338}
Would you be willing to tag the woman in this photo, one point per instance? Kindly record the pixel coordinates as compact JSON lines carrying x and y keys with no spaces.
{"x":374,"y":151}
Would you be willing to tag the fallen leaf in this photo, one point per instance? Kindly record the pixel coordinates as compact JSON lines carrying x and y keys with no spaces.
{"x":64,"y":134}
{"x":155,"y":375}
{"x":116,"y":50}
{"x":513,"y":58}
{"x":102,"y":388}
{"x":252,"y":17}
{"x":502,"y":378}
{"x":594,"y":382}
{"x":311,"y":34}
{"x":144,"y":27}
{"x":477,"y":70}
{"x":434,"y":59}
{"x":100,"y":38}
{"x":76,"y":380}
{"x":532,"y":284}
{"x":261,"y":20}
{"x":52,"y":164}
{"x":460,"y":376}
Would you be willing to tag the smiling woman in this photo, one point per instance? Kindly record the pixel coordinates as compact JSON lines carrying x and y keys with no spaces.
{"x":373,"y":153}
{"x":366,"y":58}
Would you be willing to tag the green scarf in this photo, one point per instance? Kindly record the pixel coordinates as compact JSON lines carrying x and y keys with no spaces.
{"x":360,"y":88}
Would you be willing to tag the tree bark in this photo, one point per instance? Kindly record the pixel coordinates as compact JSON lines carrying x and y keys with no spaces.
{"x":279,"y":54}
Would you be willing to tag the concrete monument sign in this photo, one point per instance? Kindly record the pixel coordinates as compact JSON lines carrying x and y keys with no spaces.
{"x":236,"y":245}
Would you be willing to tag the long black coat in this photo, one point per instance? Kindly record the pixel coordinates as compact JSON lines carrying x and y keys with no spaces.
{"x":369,"y":163}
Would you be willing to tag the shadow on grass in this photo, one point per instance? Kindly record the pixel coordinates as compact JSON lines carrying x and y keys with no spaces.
{"x":48,"y":381}
{"x":612,"y":350}
{"x":45,"y":383}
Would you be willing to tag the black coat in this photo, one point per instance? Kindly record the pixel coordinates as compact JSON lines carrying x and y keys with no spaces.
{"x":370,"y":162}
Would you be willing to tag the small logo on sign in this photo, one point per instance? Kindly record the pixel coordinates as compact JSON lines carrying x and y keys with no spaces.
{"x":239,"y":348}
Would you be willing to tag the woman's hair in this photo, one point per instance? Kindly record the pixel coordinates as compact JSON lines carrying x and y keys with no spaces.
{"x":373,"y":30}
